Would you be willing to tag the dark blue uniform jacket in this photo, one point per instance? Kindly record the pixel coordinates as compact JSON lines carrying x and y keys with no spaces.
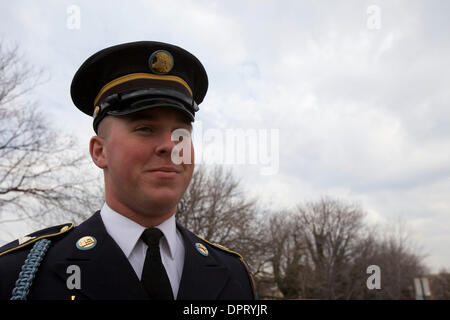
{"x":106,"y":273}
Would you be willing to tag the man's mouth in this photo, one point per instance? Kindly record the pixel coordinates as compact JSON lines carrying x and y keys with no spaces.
{"x":165,"y":171}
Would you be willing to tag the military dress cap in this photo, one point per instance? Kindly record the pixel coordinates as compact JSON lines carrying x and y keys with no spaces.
{"x":135,"y":76}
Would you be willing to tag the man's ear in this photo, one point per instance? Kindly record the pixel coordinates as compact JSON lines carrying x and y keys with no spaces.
{"x":97,"y":151}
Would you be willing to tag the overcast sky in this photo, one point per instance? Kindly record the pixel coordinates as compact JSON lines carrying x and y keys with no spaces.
{"x":354,"y":94}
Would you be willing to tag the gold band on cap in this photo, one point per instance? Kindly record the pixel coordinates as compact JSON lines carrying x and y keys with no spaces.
{"x":135,"y":76}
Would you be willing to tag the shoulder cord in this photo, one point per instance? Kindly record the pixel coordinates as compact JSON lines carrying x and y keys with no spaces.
{"x":29,"y":269}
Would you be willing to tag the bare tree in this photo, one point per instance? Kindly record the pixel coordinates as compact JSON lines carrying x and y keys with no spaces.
{"x":42,"y":173}
{"x":287,"y":255}
{"x":322,"y":251}
{"x":216,"y":208}
{"x":331,"y":232}
{"x":400,"y":262}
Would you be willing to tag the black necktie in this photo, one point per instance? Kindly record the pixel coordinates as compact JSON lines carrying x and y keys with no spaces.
{"x":154,"y":276}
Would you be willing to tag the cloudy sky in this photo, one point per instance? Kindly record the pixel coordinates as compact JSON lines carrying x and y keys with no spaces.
{"x":344,"y":98}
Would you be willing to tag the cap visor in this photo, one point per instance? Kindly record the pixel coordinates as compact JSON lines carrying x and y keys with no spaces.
{"x":143,"y":107}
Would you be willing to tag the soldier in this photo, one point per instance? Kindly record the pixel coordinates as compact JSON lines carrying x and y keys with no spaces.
{"x":139,"y":94}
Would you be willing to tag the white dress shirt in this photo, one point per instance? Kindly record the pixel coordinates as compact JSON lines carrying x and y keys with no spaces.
{"x":126,"y":233}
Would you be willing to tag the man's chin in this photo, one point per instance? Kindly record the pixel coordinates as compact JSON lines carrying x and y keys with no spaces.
{"x":161,"y":202}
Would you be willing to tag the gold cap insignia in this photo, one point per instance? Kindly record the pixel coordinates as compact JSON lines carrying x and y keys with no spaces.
{"x":201,"y":248}
{"x":161,"y":62}
{"x":86,"y":243}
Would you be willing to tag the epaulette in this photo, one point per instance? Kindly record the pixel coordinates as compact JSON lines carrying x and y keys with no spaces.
{"x":35,"y":236}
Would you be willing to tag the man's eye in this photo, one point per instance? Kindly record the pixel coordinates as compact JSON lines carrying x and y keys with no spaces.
{"x":144,"y":129}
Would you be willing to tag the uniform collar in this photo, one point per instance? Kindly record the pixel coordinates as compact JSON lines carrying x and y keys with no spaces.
{"x":126,"y":232}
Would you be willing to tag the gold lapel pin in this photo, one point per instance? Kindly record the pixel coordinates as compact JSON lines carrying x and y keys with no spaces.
{"x":201,"y":248}
{"x":86,"y":243}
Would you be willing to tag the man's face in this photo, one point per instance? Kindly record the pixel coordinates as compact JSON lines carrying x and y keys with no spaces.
{"x":139,"y":172}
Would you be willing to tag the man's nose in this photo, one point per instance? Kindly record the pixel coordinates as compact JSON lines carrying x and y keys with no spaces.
{"x":165,"y":145}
